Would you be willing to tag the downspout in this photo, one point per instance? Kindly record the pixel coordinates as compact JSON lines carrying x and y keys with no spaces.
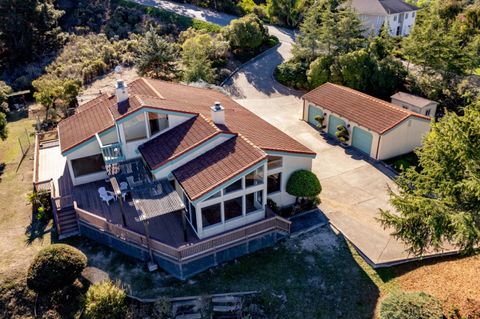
{"x":378,"y":146}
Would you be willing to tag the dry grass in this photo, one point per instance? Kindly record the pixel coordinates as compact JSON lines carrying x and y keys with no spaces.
{"x":17,"y":247}
{"x":455,"y":281}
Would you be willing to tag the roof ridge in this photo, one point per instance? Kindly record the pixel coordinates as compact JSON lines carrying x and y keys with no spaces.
{"x":380,"y":101}
{"x":151,"y":87}
{"x":210,"y":122}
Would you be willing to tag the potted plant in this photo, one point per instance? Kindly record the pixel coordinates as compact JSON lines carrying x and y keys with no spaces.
{"x":320,"y":119}
{"x":342,"y":134}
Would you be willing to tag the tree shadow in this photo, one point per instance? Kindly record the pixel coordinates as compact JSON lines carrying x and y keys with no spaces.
{"x":2,"y":170}
{"x":37,"y":229}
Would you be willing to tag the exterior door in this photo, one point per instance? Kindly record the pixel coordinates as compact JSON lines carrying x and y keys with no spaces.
{"x":333,"y":122}
{"x":313,"y":112}
{"x":362,"y":140}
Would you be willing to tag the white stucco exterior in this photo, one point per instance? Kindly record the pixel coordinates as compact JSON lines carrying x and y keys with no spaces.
{"x":401,"y":139}
{"x":429,"y":109}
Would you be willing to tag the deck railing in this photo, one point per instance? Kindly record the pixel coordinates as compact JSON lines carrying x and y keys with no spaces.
{"x":187,"y":251}
{"x":45,"y":139}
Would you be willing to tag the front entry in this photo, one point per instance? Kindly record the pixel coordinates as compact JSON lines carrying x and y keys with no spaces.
{"x":362,"y":140}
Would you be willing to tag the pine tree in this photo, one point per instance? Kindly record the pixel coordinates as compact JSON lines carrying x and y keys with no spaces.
{"x":157,"y":57}
{"x":440,"y":202}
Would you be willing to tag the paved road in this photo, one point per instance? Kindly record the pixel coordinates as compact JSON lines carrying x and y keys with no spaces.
{"x":353,"y":188}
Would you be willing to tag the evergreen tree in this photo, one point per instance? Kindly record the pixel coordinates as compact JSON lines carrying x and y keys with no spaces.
{"x":157,"y":57}
{"x":441,"y":202}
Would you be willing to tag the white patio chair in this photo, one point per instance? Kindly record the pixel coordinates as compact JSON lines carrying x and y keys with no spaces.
{"x":124,"y":189}
{"x":105,"y":195}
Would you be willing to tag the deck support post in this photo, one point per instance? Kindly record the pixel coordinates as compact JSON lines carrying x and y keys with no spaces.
{"x":151,"y":265}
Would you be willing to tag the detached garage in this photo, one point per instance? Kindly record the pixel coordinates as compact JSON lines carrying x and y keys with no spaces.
{"x":372,"y":126}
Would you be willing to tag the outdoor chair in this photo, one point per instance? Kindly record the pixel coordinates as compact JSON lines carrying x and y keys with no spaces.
{"x":124,"y":189}
{"x":105,"y":195}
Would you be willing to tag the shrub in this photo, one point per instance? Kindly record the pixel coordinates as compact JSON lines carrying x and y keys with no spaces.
{"x":41,"y":204}
{"x":247,"y":33}
{"x":342,"y":134}
{"x":105,"y":301}
{"x":320,"y":119}
{"x":303,"y":183}
{"x":416,"y":305}
{"x":55,"y":267}
{"x":292,"y":74}
{"x":319,"y":71}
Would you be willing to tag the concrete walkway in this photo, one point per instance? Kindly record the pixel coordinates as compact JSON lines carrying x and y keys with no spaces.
{"x":354,"y":188}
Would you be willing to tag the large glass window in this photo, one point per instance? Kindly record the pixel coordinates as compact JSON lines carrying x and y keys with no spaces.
{"x":274,"y":162}
{"x":255,"y":177}
{"x":274,"y":183}
{"x":233,"y":208}
{"x":253,"y":202}
{"x":211,"y":215}
{"x":234,"y":187}
{"x":158,"y":122}
{"x":88,"y":165}
{"x":216,"y":195}
{"x":193,"y":216}
{"x":135,"y":128}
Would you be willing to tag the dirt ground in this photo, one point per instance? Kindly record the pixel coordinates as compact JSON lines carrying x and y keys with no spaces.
{"x":455,"y":281}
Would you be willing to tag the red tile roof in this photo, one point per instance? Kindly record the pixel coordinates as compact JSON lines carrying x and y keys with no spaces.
{"x":177,"y":141}
{"x":217,"y":166}
{"x":175,"y":97}
{"x":363,"y":109}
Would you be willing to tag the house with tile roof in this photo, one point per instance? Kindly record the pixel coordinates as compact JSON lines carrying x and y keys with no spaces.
{"x":375,"y":127}
{"x":181,"y":173}
{"x":397,"y":14}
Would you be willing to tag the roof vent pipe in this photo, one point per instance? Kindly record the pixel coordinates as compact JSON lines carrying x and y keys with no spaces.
{"x":218,"y":113}
{"x":121,"y":91}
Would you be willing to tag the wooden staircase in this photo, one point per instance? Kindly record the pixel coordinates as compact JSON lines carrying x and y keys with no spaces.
{"x":65,"y":218}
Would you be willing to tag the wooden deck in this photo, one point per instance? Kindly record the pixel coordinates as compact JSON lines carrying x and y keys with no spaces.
{"x":166,"y":228}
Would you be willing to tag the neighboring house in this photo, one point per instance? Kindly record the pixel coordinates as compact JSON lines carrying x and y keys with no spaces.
{"x":377,"y":128}
{"x":415,"y":103}
{"x":199,"y":169}
{"x":397,"y":14}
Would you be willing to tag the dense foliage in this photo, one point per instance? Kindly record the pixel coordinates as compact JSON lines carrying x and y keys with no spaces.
{"x":403,"y":305}
{"x":441,"y":202}
{"x":105,"y":301}
{"x":247,"y":33}
{"x":157,"y":57}
{"x":55,"y":267}
{"x":303,"y":183}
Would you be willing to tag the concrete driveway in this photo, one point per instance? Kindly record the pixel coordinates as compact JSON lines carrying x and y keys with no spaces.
{"x":354,"y":188}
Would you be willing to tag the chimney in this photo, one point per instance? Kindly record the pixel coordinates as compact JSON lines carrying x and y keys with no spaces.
{"x":121,"y":91}
{"x":218,"y":113}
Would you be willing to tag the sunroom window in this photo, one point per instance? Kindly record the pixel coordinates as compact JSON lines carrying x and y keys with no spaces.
{"x":254,"y":178}
{"x":135,"y":128}
{"x":211,"y":215}
{"x":274,"y":162}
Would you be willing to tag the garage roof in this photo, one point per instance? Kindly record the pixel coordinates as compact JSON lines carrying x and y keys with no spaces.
{"x":365,"y":110}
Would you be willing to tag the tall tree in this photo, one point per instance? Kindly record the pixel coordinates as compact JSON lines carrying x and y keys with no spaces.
{"x":195,"y":57}
{"x":157,"y":57}
{"x":441,"y":202}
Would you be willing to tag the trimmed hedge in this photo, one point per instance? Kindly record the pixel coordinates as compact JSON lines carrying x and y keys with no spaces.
{"x":55,"y":267}
{"x":409,"y":305}
{"x":105,"y":301}
{"x":303,"y":183}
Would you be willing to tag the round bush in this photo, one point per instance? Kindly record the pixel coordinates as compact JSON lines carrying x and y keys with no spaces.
{"x":303,"y":183}
{"x":55,"y":267}
{"x":105,"y":301}
{"x":403,"y":305}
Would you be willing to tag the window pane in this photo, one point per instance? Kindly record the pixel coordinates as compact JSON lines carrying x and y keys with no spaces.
{"x":252,"y":204}
{"x":255,"y":177}
{"x":158,"y":122}
{"x":193,"y":214}
{"x":135,"y":128}
{"x":274,"y":162}
{"x":88,"y":165}
{"x":233,"y":208}
{"x":234,"y":187}
{"x":274,"y":183}
{"x":211,"y":215}
{"x":217,"y":194}
{"x":260,"y":199}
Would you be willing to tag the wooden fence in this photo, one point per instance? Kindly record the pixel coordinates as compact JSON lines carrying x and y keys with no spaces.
{"x":190,"y":250}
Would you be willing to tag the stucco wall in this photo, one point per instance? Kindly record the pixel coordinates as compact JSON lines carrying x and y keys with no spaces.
{"x":431,"y":106}
{"x":290,"y":164}
{"x":404,"y":138}
{"x":88,"y":149}
{"x":405,"y":27}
